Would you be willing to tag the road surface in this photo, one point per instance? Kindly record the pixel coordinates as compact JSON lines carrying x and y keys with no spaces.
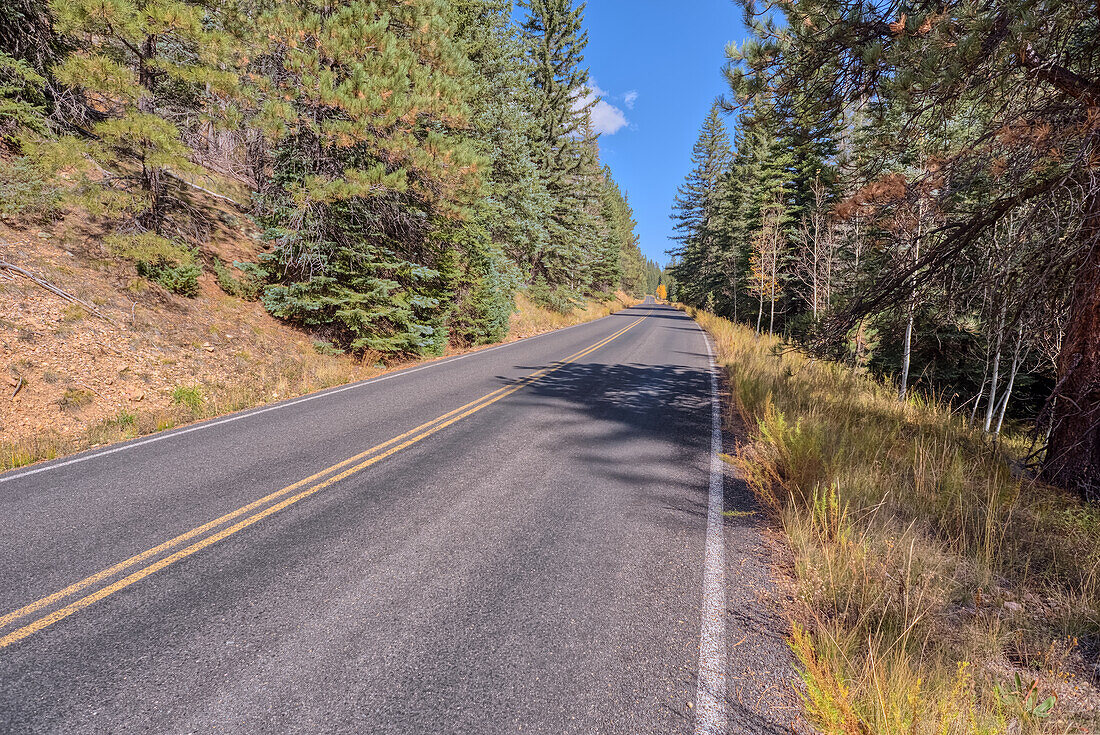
{"x":527,"y":538}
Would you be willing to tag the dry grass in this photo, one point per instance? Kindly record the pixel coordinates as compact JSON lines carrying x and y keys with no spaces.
{"x":254,"y":382}
{"x":283,"y":376}
{"x":531,"y":319}
{"x":932,"y":574}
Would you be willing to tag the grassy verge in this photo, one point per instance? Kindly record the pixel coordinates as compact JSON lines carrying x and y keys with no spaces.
{"x":945,"y":594}
{"x":531,"y":319}
{"x":251,"y":385}
{"x":285,"y":376}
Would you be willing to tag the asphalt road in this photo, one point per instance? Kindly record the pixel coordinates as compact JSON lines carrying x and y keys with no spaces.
{"x":528,"y":554}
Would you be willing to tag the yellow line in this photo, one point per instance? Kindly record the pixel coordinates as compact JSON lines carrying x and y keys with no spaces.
{"x":426,"y":430}
{"x":138,"y":558}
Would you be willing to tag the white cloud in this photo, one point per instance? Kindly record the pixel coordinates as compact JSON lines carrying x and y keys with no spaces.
{"x":606,"y":118}
{"x":628,"y":99}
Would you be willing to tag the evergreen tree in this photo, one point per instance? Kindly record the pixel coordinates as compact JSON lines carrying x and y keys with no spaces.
{"x":413,"y":161}
{"x":561,"y":139}
{"x":1023,"y":80}
{"x":364,"y":104}
{"x":517,"y":204}
{"x":139,"y":68}
{"x":700,"y":216}
{"x":655,"y":276}
{"x":504,"y":226}
{"x":22,"y":103}
{"x":632,"y":265}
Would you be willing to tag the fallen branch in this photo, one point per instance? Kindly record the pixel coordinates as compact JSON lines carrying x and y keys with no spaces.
{"x":214,"y":194}
{"x":55,"y":290}
{"x":85,"y":386}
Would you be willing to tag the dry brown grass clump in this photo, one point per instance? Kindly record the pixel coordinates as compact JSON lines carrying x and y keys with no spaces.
{"x":934,"y":576}
{"x":530,"y":319}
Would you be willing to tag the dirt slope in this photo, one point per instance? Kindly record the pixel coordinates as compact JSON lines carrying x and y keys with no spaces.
{"x":75,"y":372}
{"x":70,"y":380}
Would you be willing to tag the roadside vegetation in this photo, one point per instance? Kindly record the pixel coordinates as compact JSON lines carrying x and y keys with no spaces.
{"x":530,"y":318}
{"x":204,"y":207}
{"x":405,"y":167}
{"x":945,"y":591}
{"x":251,"y":380}
{"x":913,"y":188}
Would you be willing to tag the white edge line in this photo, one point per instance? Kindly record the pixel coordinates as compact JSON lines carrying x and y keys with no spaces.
{"x":711,"y":715}
{"x":209,"y":424}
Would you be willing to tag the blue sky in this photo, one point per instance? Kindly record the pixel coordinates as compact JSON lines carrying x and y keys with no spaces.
{"x":658,"y":64}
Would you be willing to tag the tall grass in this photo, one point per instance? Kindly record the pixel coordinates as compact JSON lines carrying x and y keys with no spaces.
{"x":931,"y":572}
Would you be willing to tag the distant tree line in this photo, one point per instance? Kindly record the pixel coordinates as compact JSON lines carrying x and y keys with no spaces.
{"x":411,"y":163}
{"x":915,"y":188}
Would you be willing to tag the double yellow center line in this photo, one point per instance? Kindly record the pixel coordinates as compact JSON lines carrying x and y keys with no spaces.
{"x":259,"y":509}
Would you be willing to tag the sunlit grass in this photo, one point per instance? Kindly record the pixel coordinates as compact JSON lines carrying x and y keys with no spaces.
{"x":930,"y":571}
{"x":256,"y":382}
{"x":530,"y":319}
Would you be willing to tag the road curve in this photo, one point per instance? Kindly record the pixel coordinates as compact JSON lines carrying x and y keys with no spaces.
{"x":514,"y":540}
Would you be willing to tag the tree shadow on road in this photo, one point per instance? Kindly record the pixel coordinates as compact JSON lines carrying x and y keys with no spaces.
{"x":632,"y":423}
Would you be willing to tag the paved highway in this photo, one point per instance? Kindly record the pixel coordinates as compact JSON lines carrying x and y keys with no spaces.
{"x":529,"y":538}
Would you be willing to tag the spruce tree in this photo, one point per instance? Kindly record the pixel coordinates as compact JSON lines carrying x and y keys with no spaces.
{"x":631,"y":263}
{"x":22,"y":102}
{"x":700,"y":218}
{"x":517,"y":204}
{"x":599,"y":249}
{"x":561,"y":139}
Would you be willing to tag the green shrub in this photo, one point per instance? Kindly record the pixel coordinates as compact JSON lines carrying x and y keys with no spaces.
{"x":183,"y":279}
{"x":75,"y":399}
{"x":558,"y":298}
{"x":27,"y":192}
{"x":22,"y":101}
{"x":246,"y":286}
{"x":322,"y":347}
{"x":170,"y":264}
{"x":119,"y":428}
{"x":189,"y":396}
{"x":484,"y":310}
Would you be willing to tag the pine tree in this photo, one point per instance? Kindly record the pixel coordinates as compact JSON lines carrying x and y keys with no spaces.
{"x":139,"y":68}
{"x":700,"y":218}
{"x":365,"y":104}
{"x":561,"y":139}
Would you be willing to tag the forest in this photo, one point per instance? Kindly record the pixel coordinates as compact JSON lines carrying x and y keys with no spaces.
{"x":913,"y":189}
{"x":411,"y":164}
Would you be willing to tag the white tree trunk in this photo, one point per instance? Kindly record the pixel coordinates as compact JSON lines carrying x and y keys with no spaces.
{"x":907,"y":343}
{"x":1016,"y":359}
{"x":992,"y":402}
{"x":906,"y":353}
{"x":981,"y":389}
{"x":760,"y":311}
